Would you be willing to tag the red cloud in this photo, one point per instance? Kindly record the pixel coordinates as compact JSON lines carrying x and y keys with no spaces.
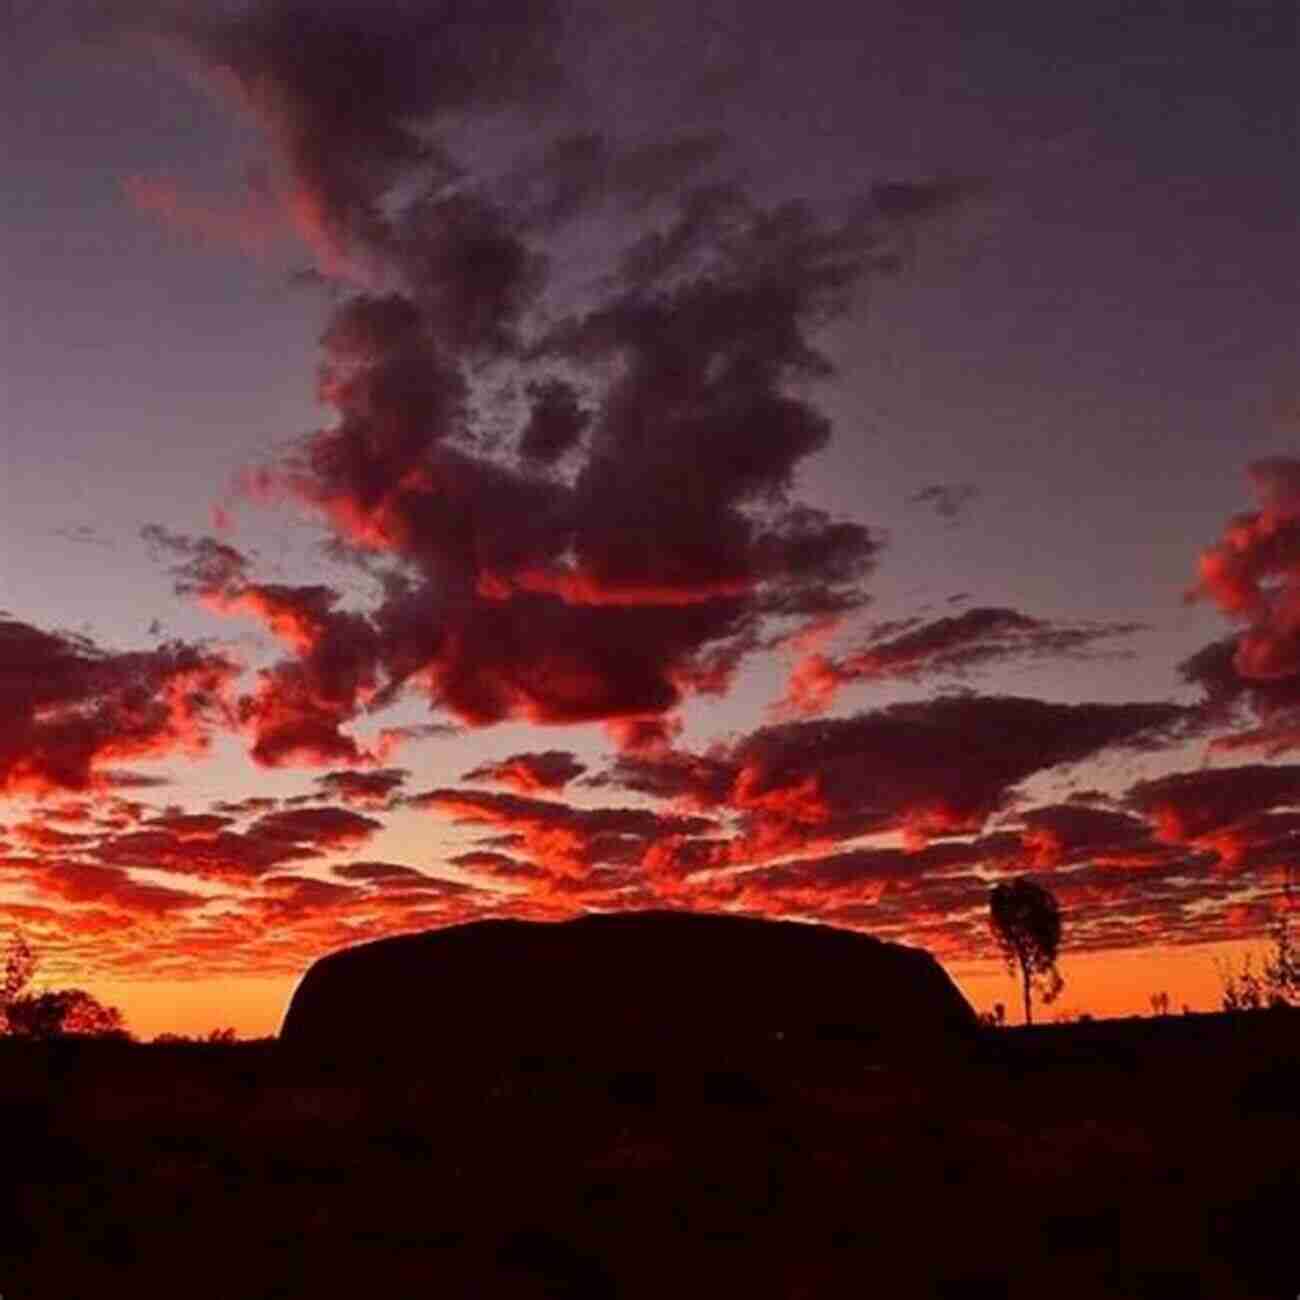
{"x":946,"y":645}
{"x":1219,"y":809}
{"x":531,"y":773}
{"x":1056,"y":835}
{"x":226,"y":855}
{"x":650,"y":735}
{"x":938,"y":767}
{"x":392,"y":875}
{"x":86,"y":882}
{"x":366,"y":789}
{"x":322,"y":828}
{"x":1253,"y":573}
{"x":643,"y":577}
{"x":653,"y":565}
{"x":564,"y":840}
{"x":69,"y":710}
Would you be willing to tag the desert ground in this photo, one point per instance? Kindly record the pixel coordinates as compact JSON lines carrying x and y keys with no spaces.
{"x":1154,"y":1158}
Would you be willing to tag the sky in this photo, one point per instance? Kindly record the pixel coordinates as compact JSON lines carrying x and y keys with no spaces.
{"x":467,"y":460}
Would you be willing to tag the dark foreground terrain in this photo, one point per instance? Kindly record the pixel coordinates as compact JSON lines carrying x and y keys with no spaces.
{"x":1153,"y":1158}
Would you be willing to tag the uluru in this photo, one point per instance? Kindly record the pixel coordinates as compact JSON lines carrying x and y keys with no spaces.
{"x":640,"y":981}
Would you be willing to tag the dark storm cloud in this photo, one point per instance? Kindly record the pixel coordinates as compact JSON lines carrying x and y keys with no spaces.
{"x":556,"y":421}
{"x":951,"y":646}
{"x":587,"y":169}
{"x":646,"y":576}
{"x":343,"y":87}
{"x":624,"y":547}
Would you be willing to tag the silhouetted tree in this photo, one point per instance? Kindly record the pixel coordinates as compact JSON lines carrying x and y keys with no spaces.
{"x":54,"y":1013}
{"x":19,"y":965}
{"x":1276,"y":984}
{"x":1026,"y":922}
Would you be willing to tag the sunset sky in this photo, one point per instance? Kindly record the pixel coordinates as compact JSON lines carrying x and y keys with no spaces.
{"x":472,"y":459}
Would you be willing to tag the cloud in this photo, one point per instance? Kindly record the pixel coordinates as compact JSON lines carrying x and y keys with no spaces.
{"x":70,"y":709}
{"x":365,"y":789}
{"x":1230,"y":699}
{"x":935,"y":767}
{"x":580,"y":505}
{"x":1220,"y":809}
{"x":623,"y":544}
{"x":322,"y":828}
{"x":556,"y":421}
{"x":394,"y":875}
{"x":953,"y":645}
{"x":286,"y":898}
{"x":646,"y":574}
{"x":492,"y":865}
{"x":814,"y":885}
{"x":342,"y":90}
{"x":563,"y":840}
{"x":578,"y":172}
{"x":638,"y":581}
{"x":948,"y":500}
{"x":1253,"y":574}
{"x":203,"y":845}
{"x":296,"y":713}
{"x":533,"y":773}
{"x":184,"y":826}
{"x":78,"y":882}
{"x":1056,"y":835}
{"x":647,"y":735}
{"x":224,"y":856}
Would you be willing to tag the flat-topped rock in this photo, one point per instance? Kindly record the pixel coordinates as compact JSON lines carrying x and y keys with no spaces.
{"x":640,"y":981}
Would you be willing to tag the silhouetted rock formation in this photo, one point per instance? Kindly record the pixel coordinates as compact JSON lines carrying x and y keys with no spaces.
{"x":635,"y":982}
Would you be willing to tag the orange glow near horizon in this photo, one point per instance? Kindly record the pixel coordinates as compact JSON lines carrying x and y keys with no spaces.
{"x":1104,"y":985}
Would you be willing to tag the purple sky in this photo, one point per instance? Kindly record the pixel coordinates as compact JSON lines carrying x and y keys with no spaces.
{"x":1048,"y":257}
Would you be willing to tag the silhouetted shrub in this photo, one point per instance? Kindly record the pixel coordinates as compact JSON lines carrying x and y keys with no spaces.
{"x":55,"y":1013}
{"x":61,"y":1013}
{"x":1275,"y":984}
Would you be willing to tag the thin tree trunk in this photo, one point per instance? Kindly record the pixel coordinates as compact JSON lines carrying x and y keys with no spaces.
{"x":1029,"y":1015}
